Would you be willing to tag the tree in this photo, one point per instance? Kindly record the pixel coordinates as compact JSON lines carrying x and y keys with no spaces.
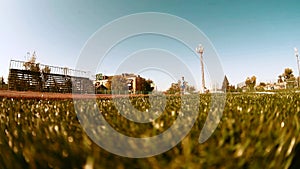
{"x":31,"y":65}
{"x":46,"y":70}
{"x":289,"y":78}
{"x":279,"y":79}
{"x":231,"y":88}
{"x":39,"y":77}
{"x":125,"y":82}
{"x":288,"y":74}
{"x":68,"y":84}
{"x":140,"y":84}
{"x":261,"y":86}
{"x":225,"y":84}
{"x":148,"y":86}
{"x":250,"y":82}
{"x":2,"y":81}
{"x":174,"y":89}
{"x":190,"y":89}
{"x":143,"y":85}
{"x":119,"y":83}
{"x":34,"y":68}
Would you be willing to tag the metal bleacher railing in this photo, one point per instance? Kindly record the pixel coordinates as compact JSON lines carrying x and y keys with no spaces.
{"x":16,"y":64}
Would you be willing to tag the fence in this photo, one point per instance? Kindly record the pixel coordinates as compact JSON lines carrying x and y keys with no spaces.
{"x":16,"y":64}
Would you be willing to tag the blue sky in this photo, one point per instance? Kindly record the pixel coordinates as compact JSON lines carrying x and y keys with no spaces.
{"x":251,"y":37}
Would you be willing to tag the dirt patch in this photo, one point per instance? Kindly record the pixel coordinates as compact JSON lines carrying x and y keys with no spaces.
{"x":47,"y":95}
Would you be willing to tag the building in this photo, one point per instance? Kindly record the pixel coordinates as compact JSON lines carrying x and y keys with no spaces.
{"x":135,"y":84}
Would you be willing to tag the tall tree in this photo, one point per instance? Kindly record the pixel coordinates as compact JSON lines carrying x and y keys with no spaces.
{"x":31,"y":65}
{"x":34,"y":68}
{"x":250,"y":82}
{"x":279,"y":79}
{"x":288,"y":74}
{"x":225,"y":84}
{"x":2,"y":81}
{"x":289,"y":78}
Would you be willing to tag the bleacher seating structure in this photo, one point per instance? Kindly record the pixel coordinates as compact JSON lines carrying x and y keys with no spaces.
{"x":58,"y":79}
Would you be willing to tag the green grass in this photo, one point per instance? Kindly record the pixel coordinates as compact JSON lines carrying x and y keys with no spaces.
{"x":256,"y":131}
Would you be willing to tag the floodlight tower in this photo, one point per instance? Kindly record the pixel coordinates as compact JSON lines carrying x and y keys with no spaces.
{"x":297,"y":56}
{"x":200,"y":50}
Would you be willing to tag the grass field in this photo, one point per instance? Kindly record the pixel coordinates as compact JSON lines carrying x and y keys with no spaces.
{"x":256,"y":131}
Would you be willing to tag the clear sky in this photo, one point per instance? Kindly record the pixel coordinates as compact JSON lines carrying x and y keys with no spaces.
{"x":251,"y":37}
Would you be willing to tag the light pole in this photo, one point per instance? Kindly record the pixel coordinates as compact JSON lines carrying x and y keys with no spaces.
{"x":200,"y":50}
{"x":297,"y":56}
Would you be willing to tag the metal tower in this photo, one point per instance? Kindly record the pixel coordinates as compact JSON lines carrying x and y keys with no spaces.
{"x":200,"y":50}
